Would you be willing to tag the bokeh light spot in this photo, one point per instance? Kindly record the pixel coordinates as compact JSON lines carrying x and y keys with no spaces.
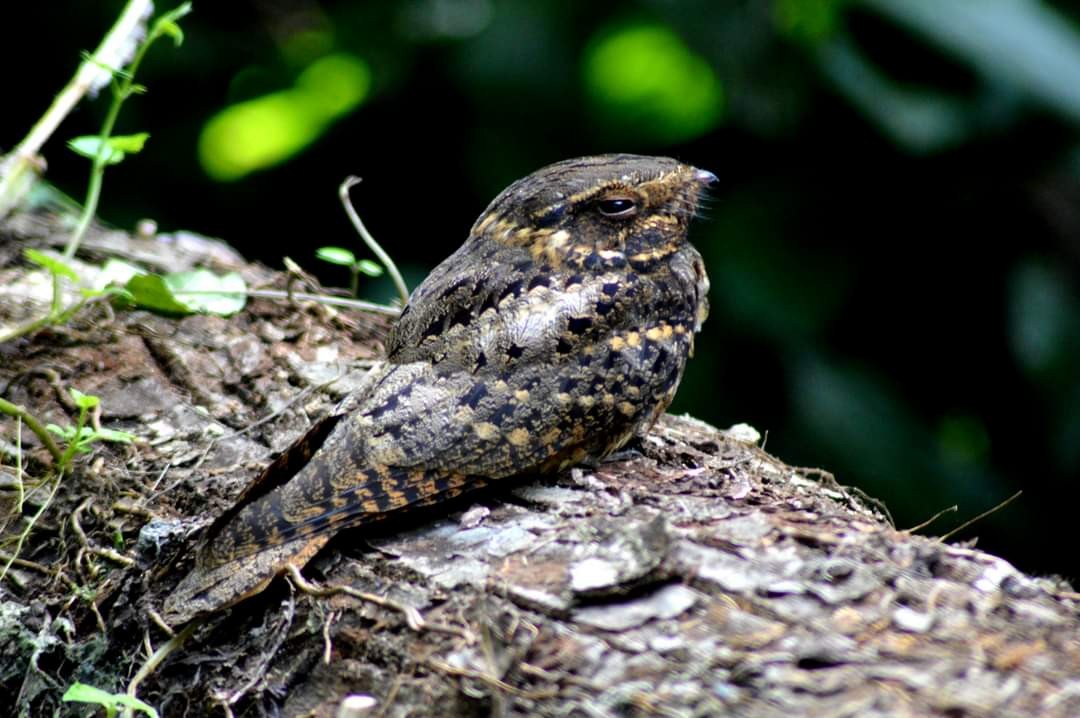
{"x":267,"y":130}
{"x":337,"y":83}
{"x":643,"y":79}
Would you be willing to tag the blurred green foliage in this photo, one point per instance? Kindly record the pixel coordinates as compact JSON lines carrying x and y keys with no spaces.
{"x":893,"y":246}
{"x":645,"y":82}
{"x":265,"y":131}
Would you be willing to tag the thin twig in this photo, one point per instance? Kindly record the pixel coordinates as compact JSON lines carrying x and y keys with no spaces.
{"x":20,"y":412}
{"x":395,"y":687}
{"x":50,"y":319}
{"x":320,"y":298}
{"x":30,"y":525}
{"x":932,"y":519}
{"x":530,"y":669}
{"x":52,"y":573}
{"x":982,"y":516}
{"x":80,"y":534}
{"x":358,"y":224}
{"x":155,"y":660}
{"x":328,"y":642}
{"x":113,"y":555}
{"x":125,"y":506}
{"x":412,"y":616}
{"x":23,"y":563}
{"x":98,"y":617}
{"x":19,"y":485}
{"x":160,"y":622}
{"x":490,"y":680}
{"x":92,"y":73}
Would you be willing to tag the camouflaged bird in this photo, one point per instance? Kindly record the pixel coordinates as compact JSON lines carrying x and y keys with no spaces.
{"x":557,"y":332}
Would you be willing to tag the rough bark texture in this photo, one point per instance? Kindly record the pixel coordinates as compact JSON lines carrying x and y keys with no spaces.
{"x":694,"y":575}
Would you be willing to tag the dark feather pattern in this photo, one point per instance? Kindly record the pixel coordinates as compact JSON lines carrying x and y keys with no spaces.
{"x":557,"y":332}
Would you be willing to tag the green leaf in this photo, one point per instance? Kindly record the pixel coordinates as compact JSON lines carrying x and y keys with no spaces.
{"x":167,"y":24}
{"x":121,"y":295}
{"x":116,"y":148}
{"x":82,"y":693}
{"x":67,"y":433}
{"x":150,"y":291}
{"x":84,"y":401}
{"x":52,"y":264}
{"x":170,"y":28}
{"x":115,"y":436}
{"x":129,"y":143}
{"x":336,"y":255}
{"x":84,"y":439}
{"x":372,"y":269}
{"x":203,"y":291}
{"x":180,"y":293}
{"x":86,"y":436}
{"x":88,"y":145}
{"x":116,"y":273}
{"x":174,"y":15}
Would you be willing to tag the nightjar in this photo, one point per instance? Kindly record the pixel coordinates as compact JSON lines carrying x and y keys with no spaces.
{"x":554,"y":334}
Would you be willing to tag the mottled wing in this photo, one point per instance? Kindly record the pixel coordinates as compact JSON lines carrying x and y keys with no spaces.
{"x":552,"y":389}
{"x":280,"y":470}
{"x":470,"y":282}
{"x":427,"y":435}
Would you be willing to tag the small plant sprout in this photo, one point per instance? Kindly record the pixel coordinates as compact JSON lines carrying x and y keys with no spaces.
{"x":375,"y":247}
{"x":80,"y":437}
{"x":345,"y":258}
{"x":103,"y":149}
{"x":111,"y":702}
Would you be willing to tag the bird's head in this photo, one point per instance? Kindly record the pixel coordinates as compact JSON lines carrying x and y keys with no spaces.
{"x":595,"y":212}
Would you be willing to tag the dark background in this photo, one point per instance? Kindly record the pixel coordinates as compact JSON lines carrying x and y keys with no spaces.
{"x":893,"y":244}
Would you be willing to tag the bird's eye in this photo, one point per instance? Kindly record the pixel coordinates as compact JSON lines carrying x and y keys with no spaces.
{"x":617,"y":207}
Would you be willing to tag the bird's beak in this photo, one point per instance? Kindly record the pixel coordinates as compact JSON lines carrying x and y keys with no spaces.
{"x":705,"y":177}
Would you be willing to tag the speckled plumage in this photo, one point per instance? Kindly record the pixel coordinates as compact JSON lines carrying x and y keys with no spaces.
{"x":558,"y":331}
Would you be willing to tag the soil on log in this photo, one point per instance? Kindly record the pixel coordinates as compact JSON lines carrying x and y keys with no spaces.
{"x":693,"y":575}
